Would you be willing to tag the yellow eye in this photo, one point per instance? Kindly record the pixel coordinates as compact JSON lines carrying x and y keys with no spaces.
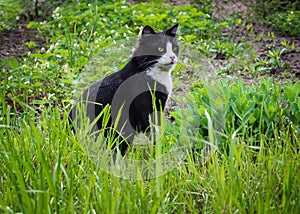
{"x":160,"y":49}
{"x":175,"y":48}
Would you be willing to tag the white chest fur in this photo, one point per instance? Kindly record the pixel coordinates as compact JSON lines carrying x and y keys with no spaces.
{"x":162,"y":77}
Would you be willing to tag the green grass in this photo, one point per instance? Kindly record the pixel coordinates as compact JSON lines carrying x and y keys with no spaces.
{"x":46,"y":168}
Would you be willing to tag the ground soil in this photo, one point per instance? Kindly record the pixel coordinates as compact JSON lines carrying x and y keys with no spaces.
{"x":265,"y":43}
{"x":290,"y":58}
{"x":13,"y":42}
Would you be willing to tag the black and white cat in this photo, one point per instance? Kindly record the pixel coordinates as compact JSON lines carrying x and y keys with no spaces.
{"x":140,"y":88}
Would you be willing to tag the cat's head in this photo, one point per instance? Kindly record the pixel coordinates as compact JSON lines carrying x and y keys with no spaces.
{"x":157,"y":48}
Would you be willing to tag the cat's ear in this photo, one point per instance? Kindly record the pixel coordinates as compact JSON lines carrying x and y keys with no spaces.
{"x":148,"y":30}
{"x":172,"y":31}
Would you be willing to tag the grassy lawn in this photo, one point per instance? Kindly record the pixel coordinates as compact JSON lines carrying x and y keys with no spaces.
{"x":245,"y":137}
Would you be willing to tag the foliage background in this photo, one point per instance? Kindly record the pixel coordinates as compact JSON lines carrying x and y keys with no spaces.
{"x":254,"y":126}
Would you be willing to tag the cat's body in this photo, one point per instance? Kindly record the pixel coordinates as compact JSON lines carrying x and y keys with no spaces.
{"x":130,"y":91}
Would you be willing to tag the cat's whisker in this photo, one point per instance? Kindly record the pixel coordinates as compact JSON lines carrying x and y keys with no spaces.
{"x":147,"y":62}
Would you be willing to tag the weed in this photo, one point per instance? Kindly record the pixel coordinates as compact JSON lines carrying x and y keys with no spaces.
{"x":275,"y":60}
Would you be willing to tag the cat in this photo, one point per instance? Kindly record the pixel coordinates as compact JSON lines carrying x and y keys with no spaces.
{"x":143,"y":86}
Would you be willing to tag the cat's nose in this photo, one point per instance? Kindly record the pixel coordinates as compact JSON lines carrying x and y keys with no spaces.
{"x":172,"y":58}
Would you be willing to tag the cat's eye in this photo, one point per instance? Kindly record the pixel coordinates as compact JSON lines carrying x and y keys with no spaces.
{"x":160,"y":49}
{"x":174,"y":48}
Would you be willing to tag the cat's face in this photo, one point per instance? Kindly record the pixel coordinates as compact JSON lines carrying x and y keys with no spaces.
{"x":158,"y":48}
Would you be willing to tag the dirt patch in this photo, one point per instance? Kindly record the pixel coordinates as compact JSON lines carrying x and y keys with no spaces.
{"x":13,"y":42}
{"x":263,"y":39}
{"x":20,"y":40}
{"x":222,"y":9}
